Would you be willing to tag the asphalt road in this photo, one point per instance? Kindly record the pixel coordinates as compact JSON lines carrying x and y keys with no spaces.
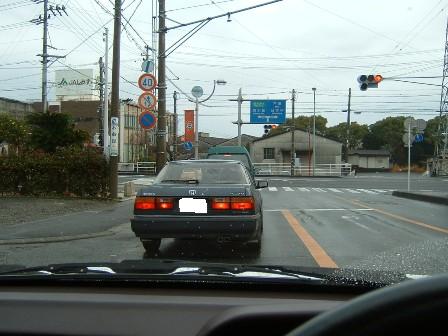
{"x":351,"y":222}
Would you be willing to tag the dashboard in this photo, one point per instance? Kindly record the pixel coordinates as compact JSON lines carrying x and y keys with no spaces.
{"x":100,"y":310}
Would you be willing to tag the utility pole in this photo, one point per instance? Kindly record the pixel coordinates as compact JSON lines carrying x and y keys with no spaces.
{"x":440,"y":148}
{"x":293,"y":131}
{"x":314,"y":131}
{"x":175,"y":127}
{"x":347,"y":141}
{"x":57,"y":10}
{"x":115,"y":97}
{"x":45,"y":59}
{"x":240,"y":101}
{"x":101,"y":87}
{"x":196,"y":127}
{"x":161,"y":121}
{"x":106,"y":96}
{"x":146,"y":54}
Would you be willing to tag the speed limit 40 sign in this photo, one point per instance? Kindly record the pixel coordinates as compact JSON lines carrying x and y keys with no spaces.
{"x":147,"y":82}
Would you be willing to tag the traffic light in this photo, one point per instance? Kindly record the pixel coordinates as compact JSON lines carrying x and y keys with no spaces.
{"x":267,"y":128}
{"x":369,"y":81}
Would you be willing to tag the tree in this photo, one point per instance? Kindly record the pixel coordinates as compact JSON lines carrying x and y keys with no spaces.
{"x":13,"y":131}
{"x":339,"y":133}
{"x":303,"y":122}
{"x":53,"y":130}
{"x":387,"y":133}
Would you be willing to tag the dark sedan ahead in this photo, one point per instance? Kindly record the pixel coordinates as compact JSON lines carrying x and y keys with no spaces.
{"x":200,"y":199}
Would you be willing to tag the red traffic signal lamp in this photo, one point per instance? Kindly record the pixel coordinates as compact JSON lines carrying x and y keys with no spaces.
{"x":369,"y":81}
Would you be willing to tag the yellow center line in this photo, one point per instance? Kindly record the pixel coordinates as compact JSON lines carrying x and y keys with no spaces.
{"x":404,"y":219}
{"x":320,"y":256}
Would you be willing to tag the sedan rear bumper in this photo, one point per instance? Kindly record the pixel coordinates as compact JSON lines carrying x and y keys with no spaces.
{"x":241,"y":227}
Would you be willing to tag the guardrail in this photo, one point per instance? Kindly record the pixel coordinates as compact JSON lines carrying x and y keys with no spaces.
{"x":330,"y":169}
{"x":146,"y":167}
{"x":139,"y":167}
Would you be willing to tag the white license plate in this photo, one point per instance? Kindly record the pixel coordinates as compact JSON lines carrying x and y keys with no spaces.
{"x":193,"y":205}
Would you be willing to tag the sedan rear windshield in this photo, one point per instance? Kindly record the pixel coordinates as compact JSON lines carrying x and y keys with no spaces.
{"x":209,"y":173}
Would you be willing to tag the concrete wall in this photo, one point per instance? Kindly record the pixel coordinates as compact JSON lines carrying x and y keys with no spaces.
{"x":15,"y":108}
{"x":327,"y":151}
{"x":371,"y":162}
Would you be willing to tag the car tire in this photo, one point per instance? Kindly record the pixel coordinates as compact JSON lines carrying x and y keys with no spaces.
{"x":256,"y":243}
{"x":151,"y":246}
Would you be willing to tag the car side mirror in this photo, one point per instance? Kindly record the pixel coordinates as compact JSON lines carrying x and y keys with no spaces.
{"x":261,"y":184}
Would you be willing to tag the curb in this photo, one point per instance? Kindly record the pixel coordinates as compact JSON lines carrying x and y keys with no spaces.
{"x":124,"y":199}
{"x":55,"y":239}
{"x":421,"y":197}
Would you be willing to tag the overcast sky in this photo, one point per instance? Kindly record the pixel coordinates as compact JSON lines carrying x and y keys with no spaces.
{"x":268,"y":51}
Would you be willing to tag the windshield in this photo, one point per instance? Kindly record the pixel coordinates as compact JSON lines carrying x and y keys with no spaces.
{"x":107,"y":119}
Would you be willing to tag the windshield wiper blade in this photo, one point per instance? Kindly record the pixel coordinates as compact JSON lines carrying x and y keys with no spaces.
{"x":192,"y":181}
{"x":168,"y":268}
{"x":94,"y":268}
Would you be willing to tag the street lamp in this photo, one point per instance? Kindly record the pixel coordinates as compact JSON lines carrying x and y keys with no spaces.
{"x":314,"y":130}
{"x":197,"y":92}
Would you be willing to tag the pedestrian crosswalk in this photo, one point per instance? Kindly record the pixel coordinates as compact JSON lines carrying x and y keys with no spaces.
{"x":328,"y":190}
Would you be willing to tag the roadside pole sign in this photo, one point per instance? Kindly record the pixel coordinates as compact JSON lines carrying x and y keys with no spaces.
{"x":406,"y":139}
{"x":267,"y":111}
{"x":418,"y":138}
{"x":147,"y":66}
{"x":147,"y":101}
{"x":197,"y":91}
{"x":147,"y":120}
{"x":188,"y":145}
{"x":114,"y":132}
{"x":147,"y":82}
{"x":420,"y":125}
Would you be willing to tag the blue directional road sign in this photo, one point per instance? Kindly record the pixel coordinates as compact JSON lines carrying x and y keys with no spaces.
{"x":418,"y":138}
{"x":188,"y":145}
{"x":147,"y":120}
{"x":267,"y":111}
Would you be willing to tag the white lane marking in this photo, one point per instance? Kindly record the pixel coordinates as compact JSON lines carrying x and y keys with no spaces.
{"x":426,"y":190}
{"x":312,"y":209}
{"x":380,"y":190}
{"x":303,"y":189}
{"x":335,"y":190}
{"x":288,"y":189}
{"x":353,"y":219}
{"x":368,"y":191}
{"x":319,"y":190}
{"x":352,"y":191}
{"x":272,"y":188}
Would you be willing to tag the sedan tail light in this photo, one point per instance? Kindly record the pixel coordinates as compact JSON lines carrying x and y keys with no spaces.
{"x":164,"y":203}
{"x":145,"y":203}
{"x":221,"y":203}
{"x":242,"y":203}
{"x":153,"y":203}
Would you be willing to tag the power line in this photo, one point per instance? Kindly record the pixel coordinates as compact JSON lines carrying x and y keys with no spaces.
{"x":196,"y":6}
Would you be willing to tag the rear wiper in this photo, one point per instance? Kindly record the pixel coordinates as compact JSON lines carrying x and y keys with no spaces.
{"x":182,"y":181}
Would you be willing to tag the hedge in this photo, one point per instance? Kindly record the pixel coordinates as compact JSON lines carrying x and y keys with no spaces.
{"x":69,"y":171}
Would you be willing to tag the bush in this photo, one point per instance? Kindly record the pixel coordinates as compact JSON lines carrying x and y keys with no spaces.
{"x":69,"y":171}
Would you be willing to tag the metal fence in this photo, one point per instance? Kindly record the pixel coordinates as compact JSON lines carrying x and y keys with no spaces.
{"x":139,"y":167}
{"x":330,"y":169}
